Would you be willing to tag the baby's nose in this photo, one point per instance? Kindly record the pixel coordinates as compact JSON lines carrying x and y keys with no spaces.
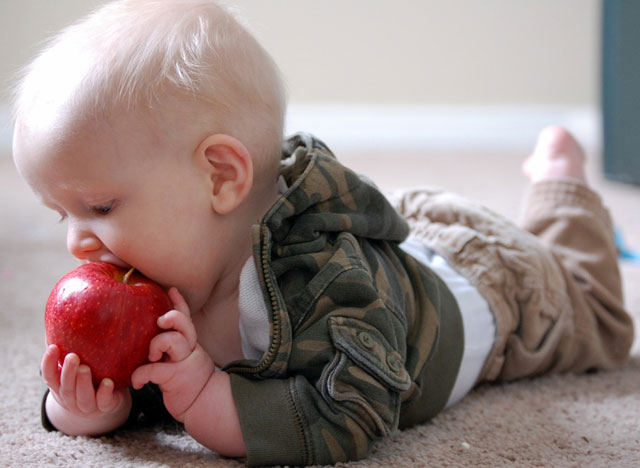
{"x":83,"y":244}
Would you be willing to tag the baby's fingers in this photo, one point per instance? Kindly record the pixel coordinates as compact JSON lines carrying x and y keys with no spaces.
{"x":178,"y":301}
{"x":85,"y":394}
{"x":171,"y":343}
{"x":49,"y":367}
{"x":67,"y":389}
{"x":180,"y":322}
{"x":106,"y":398}
{"x":159,"y":373}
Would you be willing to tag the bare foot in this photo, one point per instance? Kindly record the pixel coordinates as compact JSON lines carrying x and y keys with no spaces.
{"x":557,"y":155}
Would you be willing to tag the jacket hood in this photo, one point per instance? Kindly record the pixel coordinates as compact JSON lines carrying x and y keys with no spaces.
{"x":324,"y":196}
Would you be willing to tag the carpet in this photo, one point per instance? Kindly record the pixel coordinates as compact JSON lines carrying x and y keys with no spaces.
{"x":555,"y":421}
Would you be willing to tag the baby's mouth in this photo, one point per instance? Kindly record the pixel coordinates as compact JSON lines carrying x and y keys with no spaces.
{"x":110,"y":258}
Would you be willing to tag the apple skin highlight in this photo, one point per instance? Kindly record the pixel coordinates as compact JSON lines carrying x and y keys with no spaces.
{"x":108,"y":317}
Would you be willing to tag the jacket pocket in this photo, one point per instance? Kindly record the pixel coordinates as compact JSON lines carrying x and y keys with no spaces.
{"x":366,"y":376}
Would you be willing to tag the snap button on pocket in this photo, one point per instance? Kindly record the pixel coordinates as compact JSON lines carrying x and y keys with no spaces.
{"x":393,"y":363}
{"x":366,"y":339}
{"x":367,"y":348}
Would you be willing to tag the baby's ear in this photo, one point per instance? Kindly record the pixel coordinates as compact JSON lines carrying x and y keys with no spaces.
{"x":230,"y":171}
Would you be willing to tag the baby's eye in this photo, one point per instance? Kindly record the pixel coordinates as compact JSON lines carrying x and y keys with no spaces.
{"x":102,"y":210}
{"x":63,"y":216}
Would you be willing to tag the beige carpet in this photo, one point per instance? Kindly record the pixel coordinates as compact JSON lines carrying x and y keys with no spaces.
{"x":560,"y":421}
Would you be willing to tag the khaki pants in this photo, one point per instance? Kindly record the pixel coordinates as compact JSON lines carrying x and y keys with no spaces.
{"x":553,"y":284}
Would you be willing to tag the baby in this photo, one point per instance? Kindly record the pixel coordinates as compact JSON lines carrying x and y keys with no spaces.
{"x":312,"y":315}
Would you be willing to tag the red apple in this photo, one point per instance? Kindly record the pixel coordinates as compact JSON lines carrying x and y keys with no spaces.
{"x":107,"y":316}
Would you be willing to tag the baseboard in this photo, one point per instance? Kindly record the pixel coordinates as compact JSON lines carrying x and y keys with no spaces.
{"x":356,"y":128}
{"x":364,"y":128}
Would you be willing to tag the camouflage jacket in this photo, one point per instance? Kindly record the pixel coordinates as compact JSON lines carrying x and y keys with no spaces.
{"x":364,"y":339}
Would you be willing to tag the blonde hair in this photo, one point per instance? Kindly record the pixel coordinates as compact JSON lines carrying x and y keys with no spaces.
{"x":131,"y":54}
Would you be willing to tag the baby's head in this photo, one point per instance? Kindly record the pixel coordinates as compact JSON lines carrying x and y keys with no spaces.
{"x":188,"y":58}
{"x":136,"y":121}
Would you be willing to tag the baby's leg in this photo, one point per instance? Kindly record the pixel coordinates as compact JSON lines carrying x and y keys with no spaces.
{"x":570,"y":218}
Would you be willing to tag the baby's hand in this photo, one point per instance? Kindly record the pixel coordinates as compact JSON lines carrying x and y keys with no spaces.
{"x":179,"y":365}
{"x":77,"y":408}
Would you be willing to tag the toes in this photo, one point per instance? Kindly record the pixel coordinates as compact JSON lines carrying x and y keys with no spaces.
{"x":555,"y":141}
{"x":553,"y":134}
{"x":557,"y":154}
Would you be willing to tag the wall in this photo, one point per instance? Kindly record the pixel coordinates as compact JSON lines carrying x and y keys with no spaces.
{"x":467,"y":55}
{"x":434,"y":51}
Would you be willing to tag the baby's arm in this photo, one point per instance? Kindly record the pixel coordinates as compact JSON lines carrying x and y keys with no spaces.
{"x":213,"y":419}
{"x":73,"y":406}
{"x":194,"y":392}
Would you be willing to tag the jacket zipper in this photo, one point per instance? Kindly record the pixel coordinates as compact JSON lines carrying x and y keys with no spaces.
{"x":277,"y":335}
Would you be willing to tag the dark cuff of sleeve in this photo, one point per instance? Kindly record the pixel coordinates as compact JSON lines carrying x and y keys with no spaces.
{"x":270,"y":423}
{"x":43,"y":413}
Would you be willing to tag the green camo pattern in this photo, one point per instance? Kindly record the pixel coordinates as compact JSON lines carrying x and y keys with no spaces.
{"x":354,"y":320}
